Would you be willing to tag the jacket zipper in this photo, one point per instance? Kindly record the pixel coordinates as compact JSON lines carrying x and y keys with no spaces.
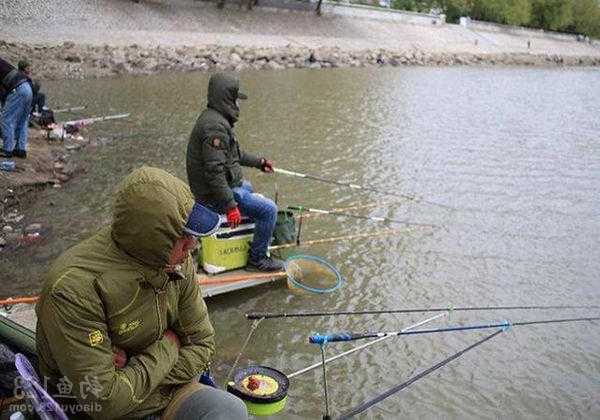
{"x":159,"y":293}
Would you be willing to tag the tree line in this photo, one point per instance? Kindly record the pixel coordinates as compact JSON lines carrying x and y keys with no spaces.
{"x":575,"y":16}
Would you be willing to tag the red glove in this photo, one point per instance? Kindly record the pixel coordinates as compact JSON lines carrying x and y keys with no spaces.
{"x":119,"y":357}
{"x":266,"y":165}
{"x":234,"y":217}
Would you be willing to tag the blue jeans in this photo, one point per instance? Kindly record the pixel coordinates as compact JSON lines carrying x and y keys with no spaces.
{"x":15,"y":117}
{"x":263,"y":213}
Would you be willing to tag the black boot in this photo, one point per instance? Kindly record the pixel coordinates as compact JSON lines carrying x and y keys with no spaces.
{"x":264,"y":264}
{"x":5,"y":153}
{"x":20,"y":153}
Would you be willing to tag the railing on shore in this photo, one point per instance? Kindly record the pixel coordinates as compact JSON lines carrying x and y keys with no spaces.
{"x":340,"y":8}
{"x":479,"y":25}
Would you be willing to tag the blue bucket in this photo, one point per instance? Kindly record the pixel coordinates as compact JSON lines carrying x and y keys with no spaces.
{"x":8,"y":165}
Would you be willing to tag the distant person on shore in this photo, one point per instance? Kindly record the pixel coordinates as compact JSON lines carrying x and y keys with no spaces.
{"x":214,"y":161}
{"x":121,"y":317}
{"x":15,"y":111}
{"x":39,"y":99}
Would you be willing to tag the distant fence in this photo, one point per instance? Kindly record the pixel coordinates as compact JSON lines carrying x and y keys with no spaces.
{"x":354,"y":10}
{"x":370,"y":12}
{"x":516,"y":30}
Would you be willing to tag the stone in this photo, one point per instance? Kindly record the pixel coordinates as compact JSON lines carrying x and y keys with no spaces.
{"x":73,"y":58}
{"x":235,"y":58}
{"x":315,"y":66}
{"x":14,"y":218}
{"x":7,"y":229}
{"x":241,"y":67}
{"x":2,"y":242}
{"x":273,"y":65}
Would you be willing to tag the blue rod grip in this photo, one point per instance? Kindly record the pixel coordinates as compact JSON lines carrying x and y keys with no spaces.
{"x":330,"y":338}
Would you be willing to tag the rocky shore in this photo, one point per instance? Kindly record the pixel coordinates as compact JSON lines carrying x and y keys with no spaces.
{"x":49,"y":163}
{"x":70,"y":60}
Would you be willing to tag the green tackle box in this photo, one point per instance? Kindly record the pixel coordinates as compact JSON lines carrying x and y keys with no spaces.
{"x":227,"y":249}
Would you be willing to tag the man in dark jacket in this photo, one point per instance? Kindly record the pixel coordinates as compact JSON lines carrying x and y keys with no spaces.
{"x":39,"y":98}
{"x":16,"y":109}
{"x":214,"y":161}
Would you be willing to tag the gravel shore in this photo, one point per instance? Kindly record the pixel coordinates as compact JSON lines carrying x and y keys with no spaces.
{"x":85,"y":38}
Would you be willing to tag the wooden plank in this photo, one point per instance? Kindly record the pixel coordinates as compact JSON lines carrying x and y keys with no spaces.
{"x":217,"y":284}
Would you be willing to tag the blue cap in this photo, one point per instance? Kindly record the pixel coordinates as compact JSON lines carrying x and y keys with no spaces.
{"x":202,"y":221}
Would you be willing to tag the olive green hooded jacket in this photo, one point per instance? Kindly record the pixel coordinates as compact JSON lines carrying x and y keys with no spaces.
{"x":214,"y":157}
{"x":111,"y":289}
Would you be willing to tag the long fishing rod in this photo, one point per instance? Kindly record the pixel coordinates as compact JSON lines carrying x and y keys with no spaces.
{"x":362,"y":346}
{"x":341,"y":238}
{"x":368,"y":404}
{"x":357,"y":216}
{"x":350,"y":336}
{"x":257,"y":315}
{"x":359,"y":187}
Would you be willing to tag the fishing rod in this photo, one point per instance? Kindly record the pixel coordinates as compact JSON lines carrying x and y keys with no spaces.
{"x":362,"y":346}
{"x":349,"y":336}
{"x":359,"y":187}
{"x":87,"y":121}
{"x":257,"y":315}
{"x":352,"y":207}
{"x":357,"y":216}
{"x":341,"y":238}
{"x":368,"y":404}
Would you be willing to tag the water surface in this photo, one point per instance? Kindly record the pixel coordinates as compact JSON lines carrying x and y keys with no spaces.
{"x":515,"y":152}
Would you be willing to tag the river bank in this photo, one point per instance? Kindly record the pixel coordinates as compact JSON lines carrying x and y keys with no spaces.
{"x":74,"y":39}
{"x":48,"y":164}
{"x":69,"y":60}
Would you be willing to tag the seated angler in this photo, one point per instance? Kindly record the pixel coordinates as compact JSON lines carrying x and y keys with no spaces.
{"x":121,"y":317}
{"x":214,"y":161}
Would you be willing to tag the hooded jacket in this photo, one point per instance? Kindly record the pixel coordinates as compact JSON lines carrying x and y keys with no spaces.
{"x":112,"y":290}
{"x":10,"y":77}
{"x":214,"y":156}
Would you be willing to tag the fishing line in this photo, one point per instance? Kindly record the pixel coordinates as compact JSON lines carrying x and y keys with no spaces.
{"x":368,"y":404}
{"x":266,"y":315}
{"x":237,"y":359}
{"x":360,"y":187}
{"x":358,"y":216}
{"x":375,"y":234}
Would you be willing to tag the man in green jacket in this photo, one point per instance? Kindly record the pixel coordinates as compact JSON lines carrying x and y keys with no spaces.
{"x":214,"y":161}
{"x":123,"y":331}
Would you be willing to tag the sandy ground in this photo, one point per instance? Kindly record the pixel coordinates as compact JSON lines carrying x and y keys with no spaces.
{"x":199,"y":23}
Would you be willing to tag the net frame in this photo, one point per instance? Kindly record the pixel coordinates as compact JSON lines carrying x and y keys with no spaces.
{"x":320,"y":261}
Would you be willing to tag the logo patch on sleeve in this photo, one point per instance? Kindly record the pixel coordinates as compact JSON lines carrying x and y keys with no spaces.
{"x":126,"y":327}
{"x":96,"y":338}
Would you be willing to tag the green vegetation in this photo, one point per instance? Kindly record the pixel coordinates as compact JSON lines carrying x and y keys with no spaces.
{"x":577,"y":16}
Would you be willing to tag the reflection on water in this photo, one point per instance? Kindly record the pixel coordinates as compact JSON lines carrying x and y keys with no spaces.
{"x":516,"y":152}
